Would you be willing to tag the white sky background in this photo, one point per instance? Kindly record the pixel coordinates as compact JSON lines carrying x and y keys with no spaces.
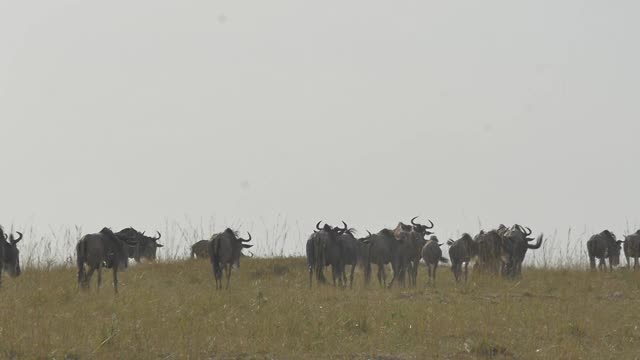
{"x":130,"y":113}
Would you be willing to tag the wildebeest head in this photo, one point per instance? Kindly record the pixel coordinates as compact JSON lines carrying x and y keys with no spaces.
{"x":141,"y":245}
{"x":11,"y":254}
{"x":422,"y":229}
{"x":336,"y":230}
{"x":402,"y":232}
{"x":237,"y":244}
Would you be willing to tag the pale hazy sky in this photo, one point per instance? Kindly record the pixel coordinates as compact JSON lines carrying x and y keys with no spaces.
{"x":132,"y":112}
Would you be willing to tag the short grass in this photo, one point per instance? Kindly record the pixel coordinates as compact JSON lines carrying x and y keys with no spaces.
{"x":172,"y":311}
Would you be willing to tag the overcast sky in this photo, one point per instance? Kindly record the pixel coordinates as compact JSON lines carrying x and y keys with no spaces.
{"x":132,"y":112}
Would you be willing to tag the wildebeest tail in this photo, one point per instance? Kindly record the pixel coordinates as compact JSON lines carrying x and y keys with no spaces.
{"x":81,"y":257}
{"x":214,"y":255}
{"x":444,"y":260}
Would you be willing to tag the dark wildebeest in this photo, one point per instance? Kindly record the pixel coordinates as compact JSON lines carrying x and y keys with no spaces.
{"x":200,"y":250}
{"x":9,"y":254}
{"x":632,"y":249}
{"x":516,"y":241}
{"x":145,"y":246}
{"x":224,"y":251}
{"x":461,"y":252}
{"x":352,"y":253}
{"x":602,"y":246}
{"x":418,"y":238}
{"x":403,"y":253}
{"x":324,"y":248}
{"x":490,"y":257}
{"x":379,"y":251}
{"x":432,"y":255}
{"x":104,"y":249}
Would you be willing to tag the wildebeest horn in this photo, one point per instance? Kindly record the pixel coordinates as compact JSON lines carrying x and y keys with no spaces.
{"x":529,"y":232}
{"x":159,"y":236}
{"x":343,"y":230}
{"x":249,"y":239}
{"x":370,"y":234}
{"x":18,"y":239}
{"x":537,"y":244}
{"x":412,"y":221}
{"x":318,"y":225}
{"x":430,"y":225}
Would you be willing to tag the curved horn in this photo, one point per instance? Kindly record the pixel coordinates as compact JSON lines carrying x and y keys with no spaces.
{"x":529,"y":232}
{"x":5,"y":237}
{"x":249,"y":239}
{"x":537,"y":244}
{"x":318,"y":225}
{"x":370,"y":234}
{"x":412,"y":221}
{"x":18,"y":239}
{"x":159,"y":236}
{"x":345,"y":227}
{"x":430,"y":225}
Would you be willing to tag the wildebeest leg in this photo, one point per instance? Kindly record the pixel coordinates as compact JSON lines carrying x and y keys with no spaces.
{"x":88,"y":276}
{"x":610,"y":264}
{"x":115,"y":278}
{"x":635,"y":263}
{"x":99,"y":276}
{"x":228,"y":270}
{"x":466,"y":265}
{"x":429,"y":270}
{"x":435,"y":267}
{"x":353,"y":268}
{"x":310,"y":276}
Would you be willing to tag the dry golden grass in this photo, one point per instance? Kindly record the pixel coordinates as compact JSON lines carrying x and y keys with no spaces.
{"x":172,"y":311}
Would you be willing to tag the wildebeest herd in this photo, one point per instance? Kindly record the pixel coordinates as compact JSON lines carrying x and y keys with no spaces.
{"x":498,"y":252}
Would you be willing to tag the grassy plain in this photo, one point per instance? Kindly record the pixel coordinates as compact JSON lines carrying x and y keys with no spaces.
{"x":172,"y":311}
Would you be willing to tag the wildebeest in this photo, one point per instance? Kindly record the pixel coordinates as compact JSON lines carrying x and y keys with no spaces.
{"x":379,"y":251}
{"x":418,"y":238}
{"x":403,"y":253}
{"x":432,"y":255}
{"x":601,"y":246}
{"x":324,"y":248}
{"x":516,"y":242}
{"x":104,"y":249}
{"x":145,"y":246}
{"x":224,"y":251}
{"x":9,"y":254}
{"x":461,"y":252}
{"x":352,"y":250}
{"x":492,"y":256}
{"x":200,"y":250}
{"x":632,"y":249}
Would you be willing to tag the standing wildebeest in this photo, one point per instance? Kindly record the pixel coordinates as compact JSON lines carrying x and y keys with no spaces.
{"x":9,"y":254}
{"x":404,"y":252}
{"x":324,"y":248}
{"x":224,"y":251}
{"x":200,"y":250}
{"x":602,"y":246}
{"x":379,"y":251}
{"x":461,"y":252}
{"x":145,"y":246}
{"x":418,"y":241}
{"x":516,"y":242}
{"x":632,"y":249}
{"x":432,"y":255}
{"x":492,"y":255}
{"x":352,"y":250}
{"x":102,"y":249}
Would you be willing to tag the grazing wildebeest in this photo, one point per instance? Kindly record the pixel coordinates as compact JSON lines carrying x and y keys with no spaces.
{"x":224,"y":251}
{"x":200,"y":250}
{"x":432,"y":255}
{"x":9,"y":254}
{"x":145,"y":246}
{"x":602,"y":246}
{"x":516,"y":241}
{"x":324,"y":248}
{"x":104,"y":249}
{"x":632,"y":249}
{"x":461,"y":252}
{"x":379,"y":251}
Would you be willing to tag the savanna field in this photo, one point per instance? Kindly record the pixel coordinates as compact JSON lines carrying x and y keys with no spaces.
{"x":171,"y":310}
